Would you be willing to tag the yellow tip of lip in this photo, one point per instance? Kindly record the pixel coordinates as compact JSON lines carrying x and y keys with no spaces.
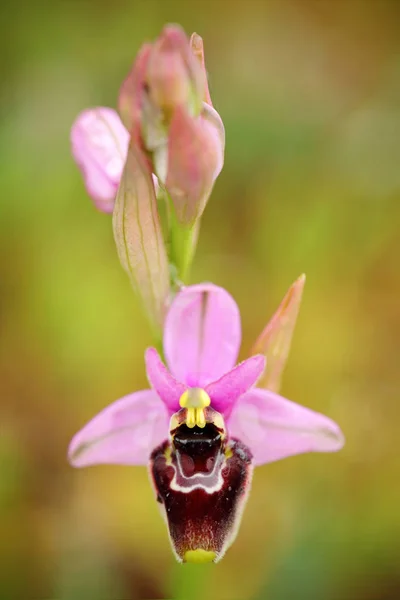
{"x":199,"y":556}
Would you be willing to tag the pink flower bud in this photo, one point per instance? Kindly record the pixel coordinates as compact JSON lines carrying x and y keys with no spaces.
{"x":195,"y":159}
{"x":274,"y":342}
{"x":165,"y":75}
{"x":99,"y":146}
{"x":174,"y":76}
{"x":161,"y":103}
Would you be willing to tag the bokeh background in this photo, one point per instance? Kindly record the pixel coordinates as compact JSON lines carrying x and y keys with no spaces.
{"x":310,"y":95}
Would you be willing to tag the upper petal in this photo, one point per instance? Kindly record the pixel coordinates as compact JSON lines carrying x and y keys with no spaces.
{"x":202,"y":334}
{"x":99,"y":145}
{"x":166,"y":386}
{"x":273,"y":427}
{"x":225,"y":391}
{"x":125,"y":432}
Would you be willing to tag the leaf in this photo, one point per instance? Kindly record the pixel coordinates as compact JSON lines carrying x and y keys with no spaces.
{"x":138,"y":236}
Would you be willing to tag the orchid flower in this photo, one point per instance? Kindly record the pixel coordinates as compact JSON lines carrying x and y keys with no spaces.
{"x":203,"y":425}
{"x":99,"y":144}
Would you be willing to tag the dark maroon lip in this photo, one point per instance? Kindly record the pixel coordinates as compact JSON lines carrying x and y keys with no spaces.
{"x":202,"y":480}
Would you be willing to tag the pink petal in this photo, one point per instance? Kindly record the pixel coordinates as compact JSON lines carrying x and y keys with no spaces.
{"x":224,"y":392}
{"x":160,"y":379}
{"x":202,"y":334}
{"x":195,"y":159}
{"x":273,"y":427}
{"x":138,"y":236}
{"x":131,"y":94}
{"x":99,"y":145}
{"x":124,"y":433}
{"x":274,"y":342}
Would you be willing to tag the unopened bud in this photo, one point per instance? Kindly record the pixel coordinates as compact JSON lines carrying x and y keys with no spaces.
{"x":195,"y":159}
{"x":174,"y":76}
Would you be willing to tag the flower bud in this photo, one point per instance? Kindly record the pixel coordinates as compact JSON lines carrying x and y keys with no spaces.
{"x":174,"y":76}
{"x":99,"y":146}
{"x":195,"y":159}
{"x":274,"y":342}
{"x":138,"y":236}
{"x":165,"y":75}
{"x":161,"y":103}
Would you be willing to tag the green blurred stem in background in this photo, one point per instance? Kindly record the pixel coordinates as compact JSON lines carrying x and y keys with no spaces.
{"x":191,"y":581}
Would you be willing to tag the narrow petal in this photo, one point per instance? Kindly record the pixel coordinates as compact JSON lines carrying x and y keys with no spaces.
{"x":132,"y":92}
{"x":274,"y":428}
{"x":99,"y":146}
{"x":125,"y":432}
{"x":196,"y":44}
{"x":138,"y":236}
{"x":202,"y":334}
{"x":161,"y":380}
{"x":195,"y":159}
{"x":274,"y":342}
{"x":225,"y":392}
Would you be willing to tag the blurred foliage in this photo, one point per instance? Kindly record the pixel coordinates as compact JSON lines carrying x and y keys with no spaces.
{"x":309,"y":91}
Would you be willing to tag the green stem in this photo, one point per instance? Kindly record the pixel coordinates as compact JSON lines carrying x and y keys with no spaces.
{"x":182,"y":245}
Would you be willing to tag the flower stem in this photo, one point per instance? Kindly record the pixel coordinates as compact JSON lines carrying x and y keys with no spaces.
{"x":182,"y":245}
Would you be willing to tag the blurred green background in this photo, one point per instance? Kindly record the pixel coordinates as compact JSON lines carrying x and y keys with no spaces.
{"x":309,"y":92}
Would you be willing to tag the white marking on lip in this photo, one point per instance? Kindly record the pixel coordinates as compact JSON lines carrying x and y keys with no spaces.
{"x":209,"y":482}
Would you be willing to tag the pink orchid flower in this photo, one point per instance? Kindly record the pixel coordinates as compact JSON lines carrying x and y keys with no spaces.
{"x":202,"y":425}
{"x":99,"y":143}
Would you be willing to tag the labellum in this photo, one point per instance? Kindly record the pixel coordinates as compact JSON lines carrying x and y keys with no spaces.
{"x":202,"y":480}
